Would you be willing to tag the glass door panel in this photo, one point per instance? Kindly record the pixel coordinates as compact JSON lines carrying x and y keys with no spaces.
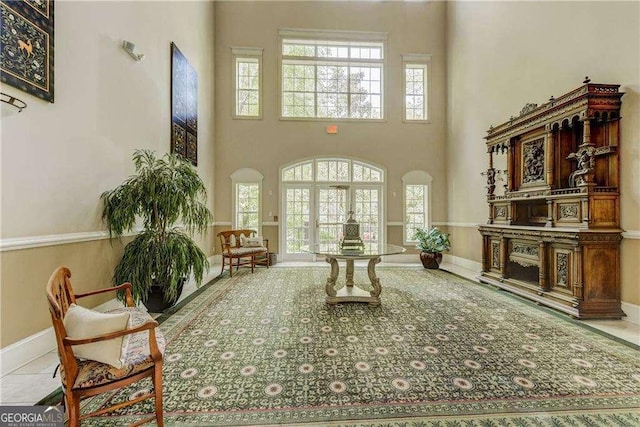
{"x":332,"y":212}
{"x":298,"y":220}
{"x":367,"y":205}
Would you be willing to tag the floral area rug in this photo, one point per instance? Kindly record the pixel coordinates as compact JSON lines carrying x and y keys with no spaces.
{"x":265,"y":349}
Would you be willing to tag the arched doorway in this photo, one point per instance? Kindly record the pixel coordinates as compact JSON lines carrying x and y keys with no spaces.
{"x":317,"y":195}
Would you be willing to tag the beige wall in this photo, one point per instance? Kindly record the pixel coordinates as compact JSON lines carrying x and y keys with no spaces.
{"x":502,"y":55}
{"x":269,"y":143}
{"x":58,"y":158}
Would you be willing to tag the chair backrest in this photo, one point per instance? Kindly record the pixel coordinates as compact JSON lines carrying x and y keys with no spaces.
{"x":232,"y":237}
{"x":60,"y":295}
{"x":60,"y":292}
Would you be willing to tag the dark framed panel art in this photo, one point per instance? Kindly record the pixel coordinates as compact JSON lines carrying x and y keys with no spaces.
{"x":26,"y":46}
{"x":184,"y":107}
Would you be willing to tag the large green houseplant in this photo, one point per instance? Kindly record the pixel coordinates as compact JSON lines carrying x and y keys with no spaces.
{"x":163,"y":192}
{"x":431,"y":242}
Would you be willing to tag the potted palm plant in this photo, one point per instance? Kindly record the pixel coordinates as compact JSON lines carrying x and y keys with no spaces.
{"x":431,"y":244}
{"x":162,"y":192}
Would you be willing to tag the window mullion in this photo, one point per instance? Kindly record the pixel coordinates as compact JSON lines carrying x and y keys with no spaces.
{"x":315,"y":88}
{"x":348,"y":91}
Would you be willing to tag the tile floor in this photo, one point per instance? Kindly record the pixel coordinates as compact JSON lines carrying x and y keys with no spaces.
{"x":34,"y":381}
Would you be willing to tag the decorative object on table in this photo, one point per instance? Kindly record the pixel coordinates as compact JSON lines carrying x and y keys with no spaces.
{"x":163,"y":192}
{"x":431,"y":244}
{"x":26,"y":46}
{"x":351,"y":241}
{"x":184,"y":107}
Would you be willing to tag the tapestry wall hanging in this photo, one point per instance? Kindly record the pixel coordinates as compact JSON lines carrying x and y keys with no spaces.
{"x":26,"y":46}
{"x":184,"y":107}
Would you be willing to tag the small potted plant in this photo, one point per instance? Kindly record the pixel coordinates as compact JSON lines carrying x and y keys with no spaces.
{"x":431,"y":244}
{"x":163,"y":192}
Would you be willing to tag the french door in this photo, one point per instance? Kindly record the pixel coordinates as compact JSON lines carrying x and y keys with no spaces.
{"x":314,"y":213}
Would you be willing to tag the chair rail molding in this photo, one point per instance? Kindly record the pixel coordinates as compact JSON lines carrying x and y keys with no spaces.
{"x":28,"y":242}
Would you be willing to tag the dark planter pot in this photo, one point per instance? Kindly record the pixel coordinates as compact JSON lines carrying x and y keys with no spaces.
{"x":431,"y":259}
{"x":156,"y":302}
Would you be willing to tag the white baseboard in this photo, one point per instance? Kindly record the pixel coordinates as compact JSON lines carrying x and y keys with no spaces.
{"x":632,"y":311}
{"x":402,"y":258}
{"x":26,"y":350}
{"x":463,"y":262}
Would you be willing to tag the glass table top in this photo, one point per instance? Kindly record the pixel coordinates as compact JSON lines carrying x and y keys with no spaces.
{"x":333,"y":250}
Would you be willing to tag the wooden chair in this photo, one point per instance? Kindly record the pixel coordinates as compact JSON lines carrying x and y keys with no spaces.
{"x":83,"y":378}
{"x":230,"y":241}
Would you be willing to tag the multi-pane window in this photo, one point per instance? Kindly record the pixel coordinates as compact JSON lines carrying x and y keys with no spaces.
{"x":247,"y":192}
{"x":332,"y":79}
{"x":416,"y":83}
{"x":416,"y":188}
{"x":248,"y":206}
{"x":248,"y":82}
{"x":415,"y":199}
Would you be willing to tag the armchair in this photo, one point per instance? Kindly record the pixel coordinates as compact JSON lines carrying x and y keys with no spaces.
{"x":82,"y":377}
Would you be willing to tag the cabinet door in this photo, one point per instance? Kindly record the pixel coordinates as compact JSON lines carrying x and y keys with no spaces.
{"x":562,"y":269}
{"x":494,"y":255}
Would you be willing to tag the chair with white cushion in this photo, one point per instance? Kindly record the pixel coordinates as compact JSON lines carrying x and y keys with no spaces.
{"x":245,"y":247}
{"x":100,"y":352}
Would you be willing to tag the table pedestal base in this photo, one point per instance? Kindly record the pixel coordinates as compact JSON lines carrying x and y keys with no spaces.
{"x":351,"y":293}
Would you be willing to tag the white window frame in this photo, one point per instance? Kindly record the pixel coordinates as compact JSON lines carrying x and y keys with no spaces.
{"x":246,"y":176}
{"x":334,"y":36}
{"x":250,"y":54}
{"x":417,"y":61}
{"x":422,"y":178}
{"x":313,"y":184}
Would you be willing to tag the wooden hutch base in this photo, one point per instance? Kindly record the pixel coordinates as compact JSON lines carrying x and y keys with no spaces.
{"x":554,"y":236}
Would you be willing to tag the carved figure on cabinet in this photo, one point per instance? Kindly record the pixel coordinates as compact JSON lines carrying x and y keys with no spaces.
{"x":584,"y":158}
{"x":491,"y":181}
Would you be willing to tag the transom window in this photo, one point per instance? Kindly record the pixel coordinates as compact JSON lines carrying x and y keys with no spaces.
{"x":332,"y":79}
{"x":332,"y":170}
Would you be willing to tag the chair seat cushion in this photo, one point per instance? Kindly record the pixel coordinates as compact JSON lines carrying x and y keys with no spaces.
{"x":136,"y":358}
{"x":246,"y":251}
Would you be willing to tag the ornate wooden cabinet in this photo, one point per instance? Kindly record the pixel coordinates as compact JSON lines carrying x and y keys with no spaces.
{"x":554,"y":234}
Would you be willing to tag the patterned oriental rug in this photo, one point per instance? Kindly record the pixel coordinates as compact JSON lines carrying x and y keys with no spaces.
{"x":265,"y":349}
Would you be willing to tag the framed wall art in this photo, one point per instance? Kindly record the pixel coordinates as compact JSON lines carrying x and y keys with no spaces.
{"x":26,"y":46}
{"x":184,"y":107}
